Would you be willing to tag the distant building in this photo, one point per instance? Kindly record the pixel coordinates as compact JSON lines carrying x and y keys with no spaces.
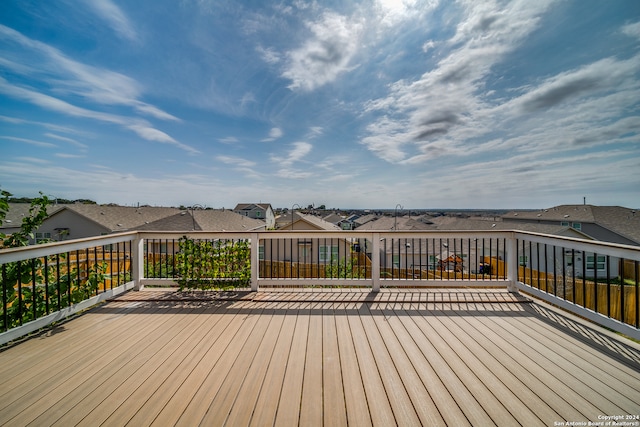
{"x":614,"y":224}
{"x":261,"y":211}
{"x":78,"y":221}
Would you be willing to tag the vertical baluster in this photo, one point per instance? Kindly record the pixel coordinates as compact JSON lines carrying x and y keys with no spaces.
{"x":58,"y":290}
{"x":46,"y":284}
{"x":34,"y":294}
{"x":555,"y":290}
{"x":5,"y":314}
{"x":637,"y":271}
{"x":68,"y":279}
{"x":595,"y":281}
{"x":622,"y":292}
{"x":608,"y":272}
{"x":19,"y":271}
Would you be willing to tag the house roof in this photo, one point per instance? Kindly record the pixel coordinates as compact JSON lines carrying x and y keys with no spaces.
{"x":225,"y":220}
{"x":404,"y":223}
{"x":17,"y":211}
{"x":315,"y":222}
{"x":618,"y":219}
{"x":285,"y":219}
{"x":121,"y":218}
{"x":251,"y":206}
{"x":469,"y":224}
{"x":364,"y":219}
{"x":333,"y":218}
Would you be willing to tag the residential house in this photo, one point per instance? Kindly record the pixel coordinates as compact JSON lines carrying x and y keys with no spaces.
{"x":613,"y":224}
{"x":307,"y":250}
{"x":79,"y":220}
{"x":17,"y":212}
{"x":400,"y":223}
{"x":262,"y":211}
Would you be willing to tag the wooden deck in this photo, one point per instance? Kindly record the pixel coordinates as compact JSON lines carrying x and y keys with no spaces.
{"x":438,"y":357}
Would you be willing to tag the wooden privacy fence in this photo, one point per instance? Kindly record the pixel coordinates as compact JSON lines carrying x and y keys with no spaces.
{"x":601,"y":297}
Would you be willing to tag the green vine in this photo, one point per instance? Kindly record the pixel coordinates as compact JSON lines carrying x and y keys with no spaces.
{"x":36,"y":287}
{"x":217,"y":264}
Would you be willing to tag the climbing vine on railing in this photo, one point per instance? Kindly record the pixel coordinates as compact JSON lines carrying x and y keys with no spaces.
{"x":345,"y":268}
{"x":213,"y":264}
{"x":34,"y":288}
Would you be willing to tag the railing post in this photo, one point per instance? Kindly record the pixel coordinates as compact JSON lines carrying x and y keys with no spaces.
{"x":255,"y":261}
{"x":375,"y":263}
{"x":137,"y":262}
{"x":512,"y":263}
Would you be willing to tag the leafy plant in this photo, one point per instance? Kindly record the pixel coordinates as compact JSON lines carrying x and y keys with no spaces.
{"x":33,"y":288}
{"x":345,"y":269}
{"x":217,"y":264}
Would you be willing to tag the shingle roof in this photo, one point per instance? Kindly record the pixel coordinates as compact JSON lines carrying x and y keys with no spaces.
{"x":618,"y":219}
{"x":226,"y":220}
{"x":333,"y":218}
{"x":249,"y":206}
{"x":404,"y":223}
{"x":17,"y":211}
{"x":319,"y":223}
{"x":122,"y":218}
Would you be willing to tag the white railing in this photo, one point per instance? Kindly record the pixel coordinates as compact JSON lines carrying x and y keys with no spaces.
{"x":533,"y":263}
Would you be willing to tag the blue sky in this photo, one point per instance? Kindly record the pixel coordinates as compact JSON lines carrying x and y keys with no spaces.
{"x":427,"y":104}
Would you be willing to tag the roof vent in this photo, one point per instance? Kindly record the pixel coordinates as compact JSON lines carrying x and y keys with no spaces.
{"x":566,"y":216}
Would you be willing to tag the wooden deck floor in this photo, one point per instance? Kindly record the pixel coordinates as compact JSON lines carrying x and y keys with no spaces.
{"x":471,"y":357}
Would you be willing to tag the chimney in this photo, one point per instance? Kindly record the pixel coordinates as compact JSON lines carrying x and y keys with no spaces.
{"x":584,"y":200}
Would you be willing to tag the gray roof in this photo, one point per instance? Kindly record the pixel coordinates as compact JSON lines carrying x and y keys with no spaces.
{"x":365,"y":218}
{"x":618,"y":219}
{"x":316,"y":222}
{"x":226,"y":220}
{"x":469,"y":224}
{"x":250,"y":206}
{"x":403,"y":223}
{"x":17,"y":211}
{"x":122,"y":218}
{"x":333,"y":218}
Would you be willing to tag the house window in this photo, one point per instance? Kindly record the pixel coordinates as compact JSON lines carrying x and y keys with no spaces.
{"x":601,"y":262}
{"x":564,"y":223}
{"x":396,"y":261}
{"x":433,"y":262}
{"x":523,"y":259}
{"x":261,"y":252}
{"x":43,"y":237}
{"x":577,"y":225}
{"x":328,"y":253}
{"x":258,"y":214}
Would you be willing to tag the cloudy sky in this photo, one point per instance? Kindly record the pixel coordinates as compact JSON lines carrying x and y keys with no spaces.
{"x":373,"y":103}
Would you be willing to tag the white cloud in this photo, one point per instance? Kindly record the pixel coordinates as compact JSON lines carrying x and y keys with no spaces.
{"x":326,"y":55}
{"x":114,"y":17}
{"x":236,"y":161}
{"x":632,"y":30}
{"x":298,"y":151}
{"x":293,"y":174}
{"x":65,"y":139}
{"x":274,"y":134}
{"x":269,"y":55}
{"x":436,"y":113}
{"x":69,"y":156}
{"x":428,"y":45}
{"x":30,"y":141}
{"x":228,"y":140}
{"x":67,"y":76}
{"x":151,"y":134}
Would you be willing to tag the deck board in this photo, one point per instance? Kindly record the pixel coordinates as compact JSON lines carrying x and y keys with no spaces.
{"x":316,"y":357}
